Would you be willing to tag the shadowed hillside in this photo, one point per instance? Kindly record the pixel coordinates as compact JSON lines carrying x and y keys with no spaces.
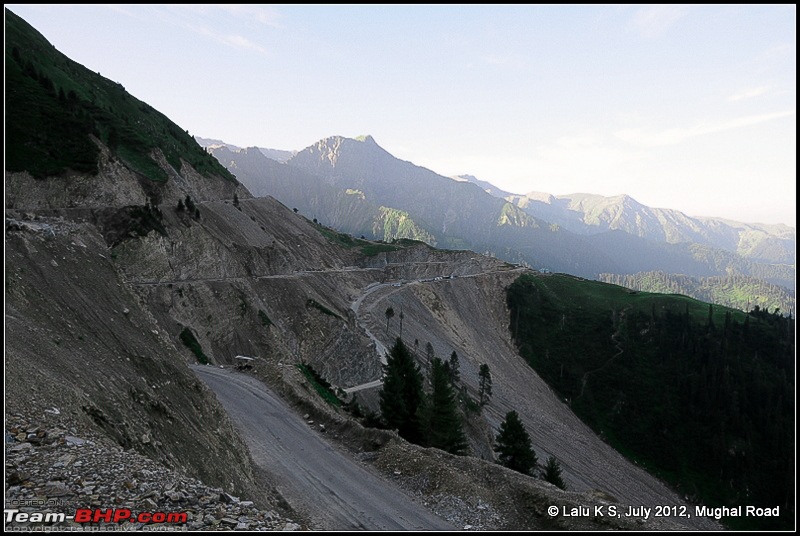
{"x":129,"y":272}
{"x":701,"y":395}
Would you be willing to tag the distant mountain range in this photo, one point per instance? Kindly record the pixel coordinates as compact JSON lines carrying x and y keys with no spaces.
{"x":593,"y":214}
{"x":356,"y":186}
{"x":275,"y":154}
{"x":132,"y":252}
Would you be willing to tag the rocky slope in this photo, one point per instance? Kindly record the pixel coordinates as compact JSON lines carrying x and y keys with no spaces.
{"x":79,"y":342}
{"x":56,"y":469}
{"x":123,"y":272}
{"x":221,"y":276}
{"x":115,"y":185}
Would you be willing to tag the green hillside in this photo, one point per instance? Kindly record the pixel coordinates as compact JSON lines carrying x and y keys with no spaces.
{"x":54,"y":106}
{"x":737,"y":291}
{"x":701,"y":395}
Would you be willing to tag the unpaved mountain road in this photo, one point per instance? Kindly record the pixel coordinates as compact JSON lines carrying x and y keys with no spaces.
{"x":319,"y":481}
{"x":380,"y":348}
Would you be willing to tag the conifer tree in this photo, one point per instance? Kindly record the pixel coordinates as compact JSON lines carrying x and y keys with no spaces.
{"x":402,"y":316}
{"x":402,"y":395}
{"x":484,"y":384}
{"x":429,"y":352}
{"x":389,"y":314}
{"x":514,"y":445}
{"x":442,"y":421}
{"x":553,"y":473}
{"x":453,"y":367}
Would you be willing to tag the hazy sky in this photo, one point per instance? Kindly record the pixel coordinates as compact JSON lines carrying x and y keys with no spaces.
{"x":685,"y":107}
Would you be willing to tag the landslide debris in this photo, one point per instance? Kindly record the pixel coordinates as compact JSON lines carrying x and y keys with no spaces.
{"x":55,"y":466}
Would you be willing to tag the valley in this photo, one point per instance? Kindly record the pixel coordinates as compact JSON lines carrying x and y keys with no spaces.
{"x":208,"y":333}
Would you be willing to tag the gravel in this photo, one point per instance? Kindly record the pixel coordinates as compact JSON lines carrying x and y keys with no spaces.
{"x":52,"y":469}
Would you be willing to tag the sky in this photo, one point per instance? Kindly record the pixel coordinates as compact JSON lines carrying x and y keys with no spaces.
{"x":684,"y":107}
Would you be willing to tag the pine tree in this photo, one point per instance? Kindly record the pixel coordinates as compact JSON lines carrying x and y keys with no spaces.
{"x":441,"y":418}
{"x":429,"y":351}
{"x":402,"y":395}
{"x":453,"y":367}
{"x":710,"y":324}
{"x":401,"y":323}
{"x":389,"y":314}
{"x":553,"y":473}
{"x":514,"y":445}
{"x":484,"y":384}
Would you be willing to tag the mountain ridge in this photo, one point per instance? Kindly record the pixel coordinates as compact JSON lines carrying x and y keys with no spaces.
{"x":592,"y":213}
{"x":279,"y":155}
{"x":598,"y":205}
{"x":577,"y":235}
{"x":114,"y":288}
{"x":459,"y":214}
{"x":110,"y":301}
{"x":87,"y":142}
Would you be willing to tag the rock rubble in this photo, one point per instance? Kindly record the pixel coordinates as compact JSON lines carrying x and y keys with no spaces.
{"x":53,"y":469}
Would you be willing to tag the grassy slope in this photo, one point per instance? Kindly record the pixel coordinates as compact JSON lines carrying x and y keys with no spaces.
{"x":54,"y":104}
{"x":738,"y":291}
{"x":708,"y":406}
{"x":368,"y":248}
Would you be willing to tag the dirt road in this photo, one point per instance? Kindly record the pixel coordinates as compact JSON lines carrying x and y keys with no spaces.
{"x":319,"y":481}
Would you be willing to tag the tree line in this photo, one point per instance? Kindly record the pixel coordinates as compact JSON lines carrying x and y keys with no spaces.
{"x":738,"y":291}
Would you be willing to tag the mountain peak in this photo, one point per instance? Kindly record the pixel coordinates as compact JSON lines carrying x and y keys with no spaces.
{"x":338,"y":141}
{"x":330,"y":151}
{"x":625,"y":198}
